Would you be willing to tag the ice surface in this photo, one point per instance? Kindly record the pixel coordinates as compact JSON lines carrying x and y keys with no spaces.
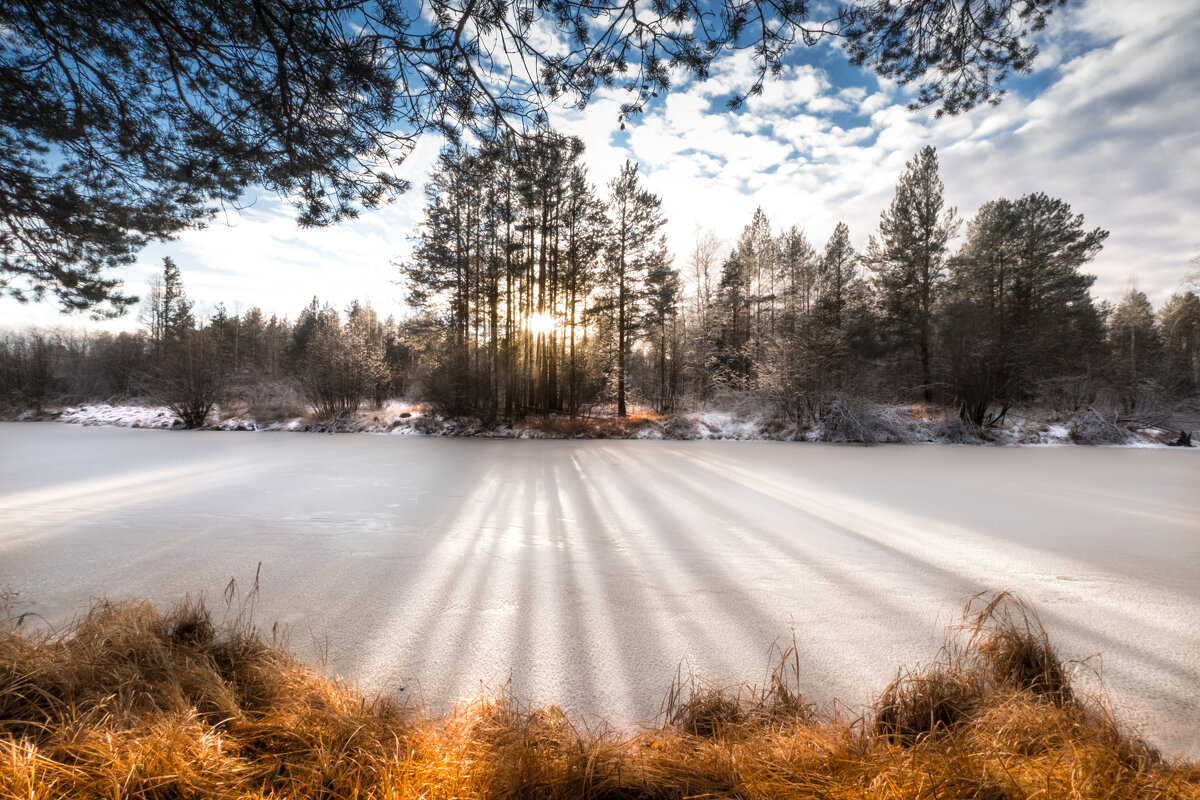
{"x":586,"y":571}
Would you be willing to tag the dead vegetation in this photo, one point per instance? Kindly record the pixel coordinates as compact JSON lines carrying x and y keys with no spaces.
{"x":1092,"y":426}
{"x":606,"y":427}
{"x":132,"y":703}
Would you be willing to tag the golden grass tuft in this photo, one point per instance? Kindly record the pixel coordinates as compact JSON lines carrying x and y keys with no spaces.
{"x":1005,"y":650}
{"x":133,"y":703}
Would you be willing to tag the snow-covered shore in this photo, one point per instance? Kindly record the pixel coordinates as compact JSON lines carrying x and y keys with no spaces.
{"x":866,"y":423}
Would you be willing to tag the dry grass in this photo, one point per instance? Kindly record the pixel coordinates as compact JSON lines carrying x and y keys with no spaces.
{"x":562,"y":427}
{"x":132,"y":703}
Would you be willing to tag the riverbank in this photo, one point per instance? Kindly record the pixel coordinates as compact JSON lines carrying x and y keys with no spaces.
{"x":843,"y":422}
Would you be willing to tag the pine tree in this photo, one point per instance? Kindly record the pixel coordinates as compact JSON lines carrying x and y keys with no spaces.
{"x":226,"y":330}
{"x":836,"y":274}
{"x":505,"y":263}
{"x":732,"y":364}
{"x":127,"y":122}
{"x":636,"y":218}
{"x":910,"y":259}
{"x":798,"y":264}
{"x":757,"y":255}
{"x":1020,"y":314}
{"x":663,"y":290}
{"x":584,"y":228}
{"x":176,"y":308}
{"x":364,"y":352}
{"x":1133,"y":334}
{"x":1179,"y":323}
{"x":166,"y":311}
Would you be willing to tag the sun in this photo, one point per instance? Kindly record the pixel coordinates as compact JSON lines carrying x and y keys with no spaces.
{"x":539,"y":323}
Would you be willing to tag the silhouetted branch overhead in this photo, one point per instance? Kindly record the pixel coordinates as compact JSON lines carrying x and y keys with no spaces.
{"x":958,"y":52}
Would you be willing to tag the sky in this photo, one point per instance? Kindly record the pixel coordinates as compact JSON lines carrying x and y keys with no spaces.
{"x":1109,"y":122}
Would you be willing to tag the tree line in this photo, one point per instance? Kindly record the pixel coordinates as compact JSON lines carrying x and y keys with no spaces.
{"x":550,"y":294}
{"x":325,"y":363}
{"x":535,"y":291}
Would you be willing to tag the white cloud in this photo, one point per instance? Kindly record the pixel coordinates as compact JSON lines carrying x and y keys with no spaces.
{"x":1114,"y":134}
{"x":1117,"y":137}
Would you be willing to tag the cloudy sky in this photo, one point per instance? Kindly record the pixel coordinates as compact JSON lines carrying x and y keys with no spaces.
{"x":1109,"y":122}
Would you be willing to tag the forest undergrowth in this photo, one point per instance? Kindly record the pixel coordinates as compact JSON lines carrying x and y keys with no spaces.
{"x":132,"y":702}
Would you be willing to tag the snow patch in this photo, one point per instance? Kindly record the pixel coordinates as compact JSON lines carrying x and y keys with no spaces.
{"x":124,"y":416}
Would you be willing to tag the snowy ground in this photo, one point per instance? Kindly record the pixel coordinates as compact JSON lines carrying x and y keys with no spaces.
{"x":586,"y":572}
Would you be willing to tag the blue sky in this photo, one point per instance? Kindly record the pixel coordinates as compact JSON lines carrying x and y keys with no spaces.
{"x":1109,"y":122}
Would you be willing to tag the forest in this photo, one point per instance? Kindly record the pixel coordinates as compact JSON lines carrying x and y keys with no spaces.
{"x":535,"y":293}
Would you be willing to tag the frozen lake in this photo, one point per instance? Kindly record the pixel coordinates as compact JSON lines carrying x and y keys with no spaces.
{"x":586,"y":572}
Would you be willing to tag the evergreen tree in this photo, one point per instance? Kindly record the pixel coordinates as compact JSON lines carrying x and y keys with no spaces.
{"x":338,"y":365}
{"x":836,"y":275}
{"x":302,"y":332}
{"x":123,"y":122}
{"x":166,"y":311}
{"x":176,"y":308}
{"x":226,"y":332}
{"x":732,"y":365}
{"x":584,"y":227}
{"x":365,"y":353}
{"x":636,"y":218}
{"x":805,"y":367}
{"x":798,"y":265}
{"x":748,"y":318}
{"x":264,"y":340}
{"x":1133,"y":335}
{"x":663,"y":290}
{"x":910,"y":260}
{"x":758,"y":257}
{"x":1179,"y":323}
{"x":506,"y":262}
{"x":1019,"y":313}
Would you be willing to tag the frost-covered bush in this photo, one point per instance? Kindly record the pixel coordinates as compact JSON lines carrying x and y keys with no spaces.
{"x":851,"y":419}
{"x":265,"y":402}
{"x":1094,"y":427}
{"x":780,"y":429}
{"x":1146,"y":406}
{"x":680,"y":427}
{"x":431,"y":425}
{"x":953,"y":429}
